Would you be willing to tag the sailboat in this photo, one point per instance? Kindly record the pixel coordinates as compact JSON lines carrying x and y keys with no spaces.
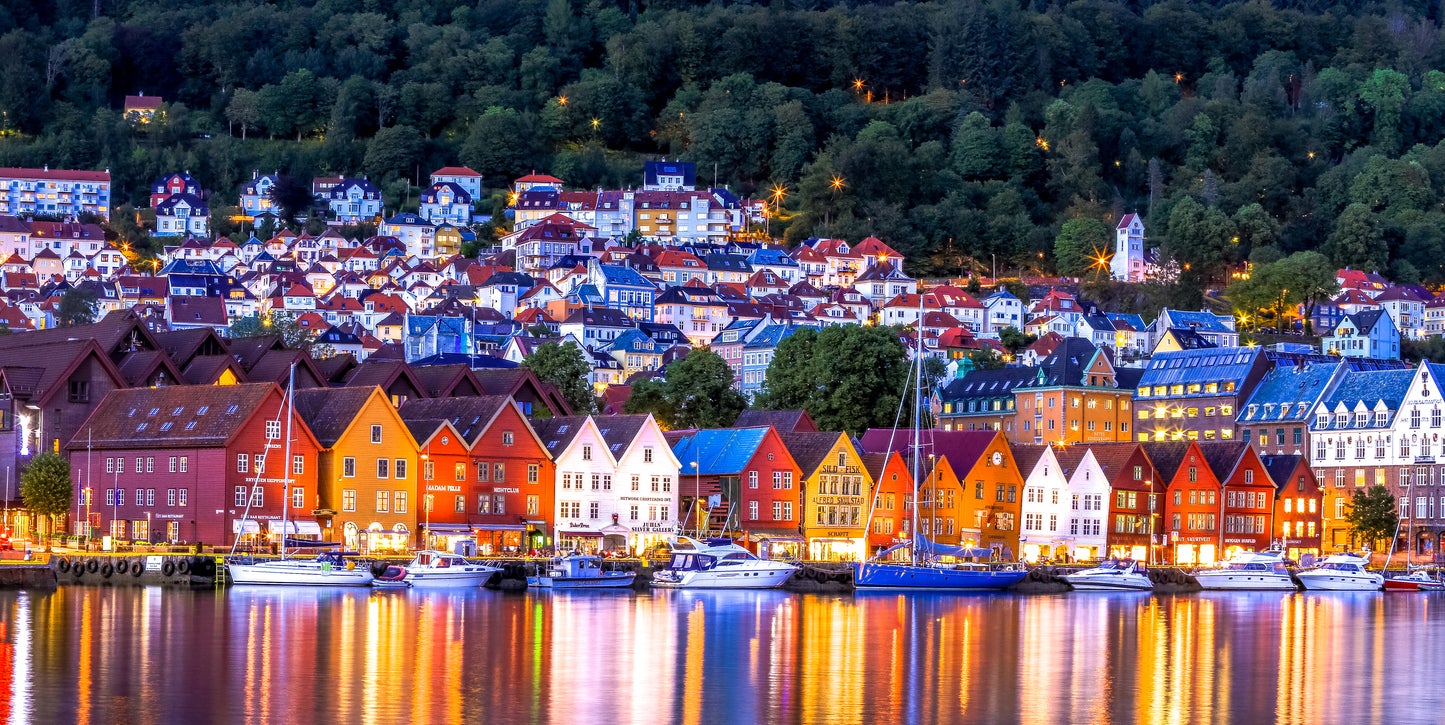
{"x":329,"y":569}
{"x":1413,"y":580}
{"x":925,"y":569}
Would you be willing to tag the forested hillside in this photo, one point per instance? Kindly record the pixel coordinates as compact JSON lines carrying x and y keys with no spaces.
{"x":954,"y":130}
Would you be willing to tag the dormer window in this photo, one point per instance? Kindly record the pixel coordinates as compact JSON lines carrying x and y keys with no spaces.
{"x":1341,"y":420}
{"x":1380,"y":417}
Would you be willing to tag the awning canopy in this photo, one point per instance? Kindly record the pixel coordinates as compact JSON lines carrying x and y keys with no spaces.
{"x":297,"y":528}
{"x":447,"y":528}
{"x":774,"y":535}
{"x":499,"y":527}
{"x":565,"y":532}
{"x":615,"y":530}
{"x":245,"y":526}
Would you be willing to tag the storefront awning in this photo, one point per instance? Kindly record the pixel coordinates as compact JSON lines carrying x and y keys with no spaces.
{"x":294,"y":528}
{"x":499,"y":527}
{"x":449,"y":528}
{"x":616,"y":530}
{"x":565,"y":532}
{"x":245,"y":526}
{"x":534,"y":522}
{"x":774,"y":535}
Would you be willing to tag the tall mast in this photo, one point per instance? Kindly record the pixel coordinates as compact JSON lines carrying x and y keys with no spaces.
{"x":917,"y":419}
{"x":286,"y":457}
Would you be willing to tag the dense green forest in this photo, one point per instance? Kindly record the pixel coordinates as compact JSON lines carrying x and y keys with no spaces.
{"x":956,"y":130}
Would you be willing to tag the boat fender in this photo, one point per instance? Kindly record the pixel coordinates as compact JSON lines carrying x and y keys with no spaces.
{"x":107,"y":570}
{"x":168,"y":568}
{"x":63,"y":565}
{"x":184,"y":566}
{"x":137,"y":568}
{"x":92,"y":566}
{"x":122,"y":566}
{"x":351,"y":566}
{"x":78,"y":570}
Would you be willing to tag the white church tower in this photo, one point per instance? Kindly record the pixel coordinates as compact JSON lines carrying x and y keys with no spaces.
{"x":1128,"y":262}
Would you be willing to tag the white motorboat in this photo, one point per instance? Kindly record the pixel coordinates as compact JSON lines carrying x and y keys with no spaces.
{"x":1248,"y":570}
{"x":437,"y":569}
{"x":1112,"y":575}
{"x":1342,"y":572}
{"x":719,"y":564}
{"x":580,"y":571}
{"x":330,"y":569}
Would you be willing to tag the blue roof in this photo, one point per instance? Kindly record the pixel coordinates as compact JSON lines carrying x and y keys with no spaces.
{"x":634,"y":341}
{"x":772,"y":258}
{"x":770,"y":336}
{"x":653,"y":169}
{"x":719,"y":452}
{"x":408,"y":218}
{"x":1372,"y":387}
{"x":1200,"y":321}
{"x":190,"y":266}
{"x":1288,"y":393}
{"x":616,"y":274}
{"x":1209,"y":365}
{"x":419,"y":324}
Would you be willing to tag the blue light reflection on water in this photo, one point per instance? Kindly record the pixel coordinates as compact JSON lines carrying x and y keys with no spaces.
{"x":101,"y":655}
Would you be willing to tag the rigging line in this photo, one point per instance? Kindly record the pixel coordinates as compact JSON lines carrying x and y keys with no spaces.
{"x":888,"y":451}
{"x":256,"y":483}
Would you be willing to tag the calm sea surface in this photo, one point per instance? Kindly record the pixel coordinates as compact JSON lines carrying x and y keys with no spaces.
{"x":93,"y":655}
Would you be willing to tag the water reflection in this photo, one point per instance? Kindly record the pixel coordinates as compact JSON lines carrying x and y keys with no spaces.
{"x":93,"y":655}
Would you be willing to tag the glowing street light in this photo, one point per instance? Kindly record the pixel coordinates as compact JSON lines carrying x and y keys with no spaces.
{"x":837,"y":183}
{"x":561,"y":100}
{"x":857,"y":84}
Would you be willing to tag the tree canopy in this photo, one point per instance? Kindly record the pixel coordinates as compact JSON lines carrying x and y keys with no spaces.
{"x":45,"y":488}
{"x":566,"y":368}
{"x":1372,"y":515}
{"x":695,"y":392}
{"x":848,"y":377}
{"x":957,"y":132}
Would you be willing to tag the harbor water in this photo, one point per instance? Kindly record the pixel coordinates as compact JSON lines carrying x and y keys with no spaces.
{"x":151,"y":655}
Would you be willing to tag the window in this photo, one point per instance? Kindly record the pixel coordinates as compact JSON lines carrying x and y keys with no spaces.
{"x":484,"y":472}
{"x":507,"y":438}
{"x":348,"y":467}
{"x":383,"y":501}
{"x":273,"y":430}
{"x":593,"y":510}
{"x":150,"y":497}
{"x":185,"y":461}
{"x":586,"y":453}
{"x":258,"y":497}
{"x":170,"y":497}
{"x":399,"y":498}
{"x":376,"y":434}
{"x":647,"y":454}
{"x":753,"y":510}
{"x":499,"y":473}
{"x":460,"y":506}
{"x":533,"y":504}
{"x":348,"y":499}
{"x":298,"y":465}
{"x":79,"y":391}
{"x":258,"y":462}
{"x":753,"y":480}
{"x":1193,"y":474}
{"x":243,"y":464}
{"x":401,"y":469}
{"x":1249,"y":477}
{"x":298,"y":497}
{"x":484,"y":505}
{"x":383,"y":468}
{"x":172,"y":464}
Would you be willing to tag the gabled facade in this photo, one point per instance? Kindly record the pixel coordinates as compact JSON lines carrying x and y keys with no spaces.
{"x":834,"y":495}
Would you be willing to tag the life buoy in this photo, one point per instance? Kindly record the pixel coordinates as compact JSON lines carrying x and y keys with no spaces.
{"x":184,"y":566}
{"x":92,"y":566}
{"x":107,"y":570}
{"x":63,"y":565}
{"x":168,"y":568}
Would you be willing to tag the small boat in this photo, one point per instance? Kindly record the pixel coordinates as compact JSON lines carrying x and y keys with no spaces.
{"x":393,"y":578}
{"x":1112,"y":575}
{"x":719,"y":564}
{"x":1418,"y":580}
{"x":436,"y":569}
{"x":1255,"y":570}
{"x":1342,"y":572}
{"x":329,"y":569}
{"x":580,"y":571}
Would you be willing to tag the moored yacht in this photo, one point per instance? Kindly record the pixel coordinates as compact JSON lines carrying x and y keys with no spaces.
{"x":1112,"y":575}
{"x":330,"y":569}
{"x":1418,"y":580}
{"x":436,"y":569}
{"x":579,"y":571}
{"x":719,"y":564}
{"x":1342,"y":572}
{"x":1248,"y":570}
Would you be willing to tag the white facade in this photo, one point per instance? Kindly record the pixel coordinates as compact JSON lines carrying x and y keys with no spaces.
{"x":1088,"y":520}
{"x":1045,"y":509}
{"x":54,"y":193}
{"x":629,"y":492}
{"x":1127,"y":264}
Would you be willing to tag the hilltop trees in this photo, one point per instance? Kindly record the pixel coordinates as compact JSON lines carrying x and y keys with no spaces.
{"x":848,"y":378}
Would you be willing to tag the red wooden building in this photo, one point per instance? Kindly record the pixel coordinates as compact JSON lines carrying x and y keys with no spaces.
{"x":181,"y":464}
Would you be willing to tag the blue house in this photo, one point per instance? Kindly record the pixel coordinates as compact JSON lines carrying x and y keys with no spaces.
{"x":623,"y":289}
{"x":758,"y":354}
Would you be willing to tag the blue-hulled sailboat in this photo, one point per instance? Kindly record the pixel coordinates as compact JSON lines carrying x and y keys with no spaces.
{"x":925,"y":569}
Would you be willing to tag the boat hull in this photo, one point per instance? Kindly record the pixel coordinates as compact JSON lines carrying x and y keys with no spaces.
{"x":1109,"y":583}
{"x":619,"y":581}
{"x":298,"y":575}
{"x":1337,"y":583}
{"x":1219,"y":581}
{"x":448,"y":579}
{"x":904,"y":576}
{"x":1407,"y":585}
{"x":770,"y":578}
